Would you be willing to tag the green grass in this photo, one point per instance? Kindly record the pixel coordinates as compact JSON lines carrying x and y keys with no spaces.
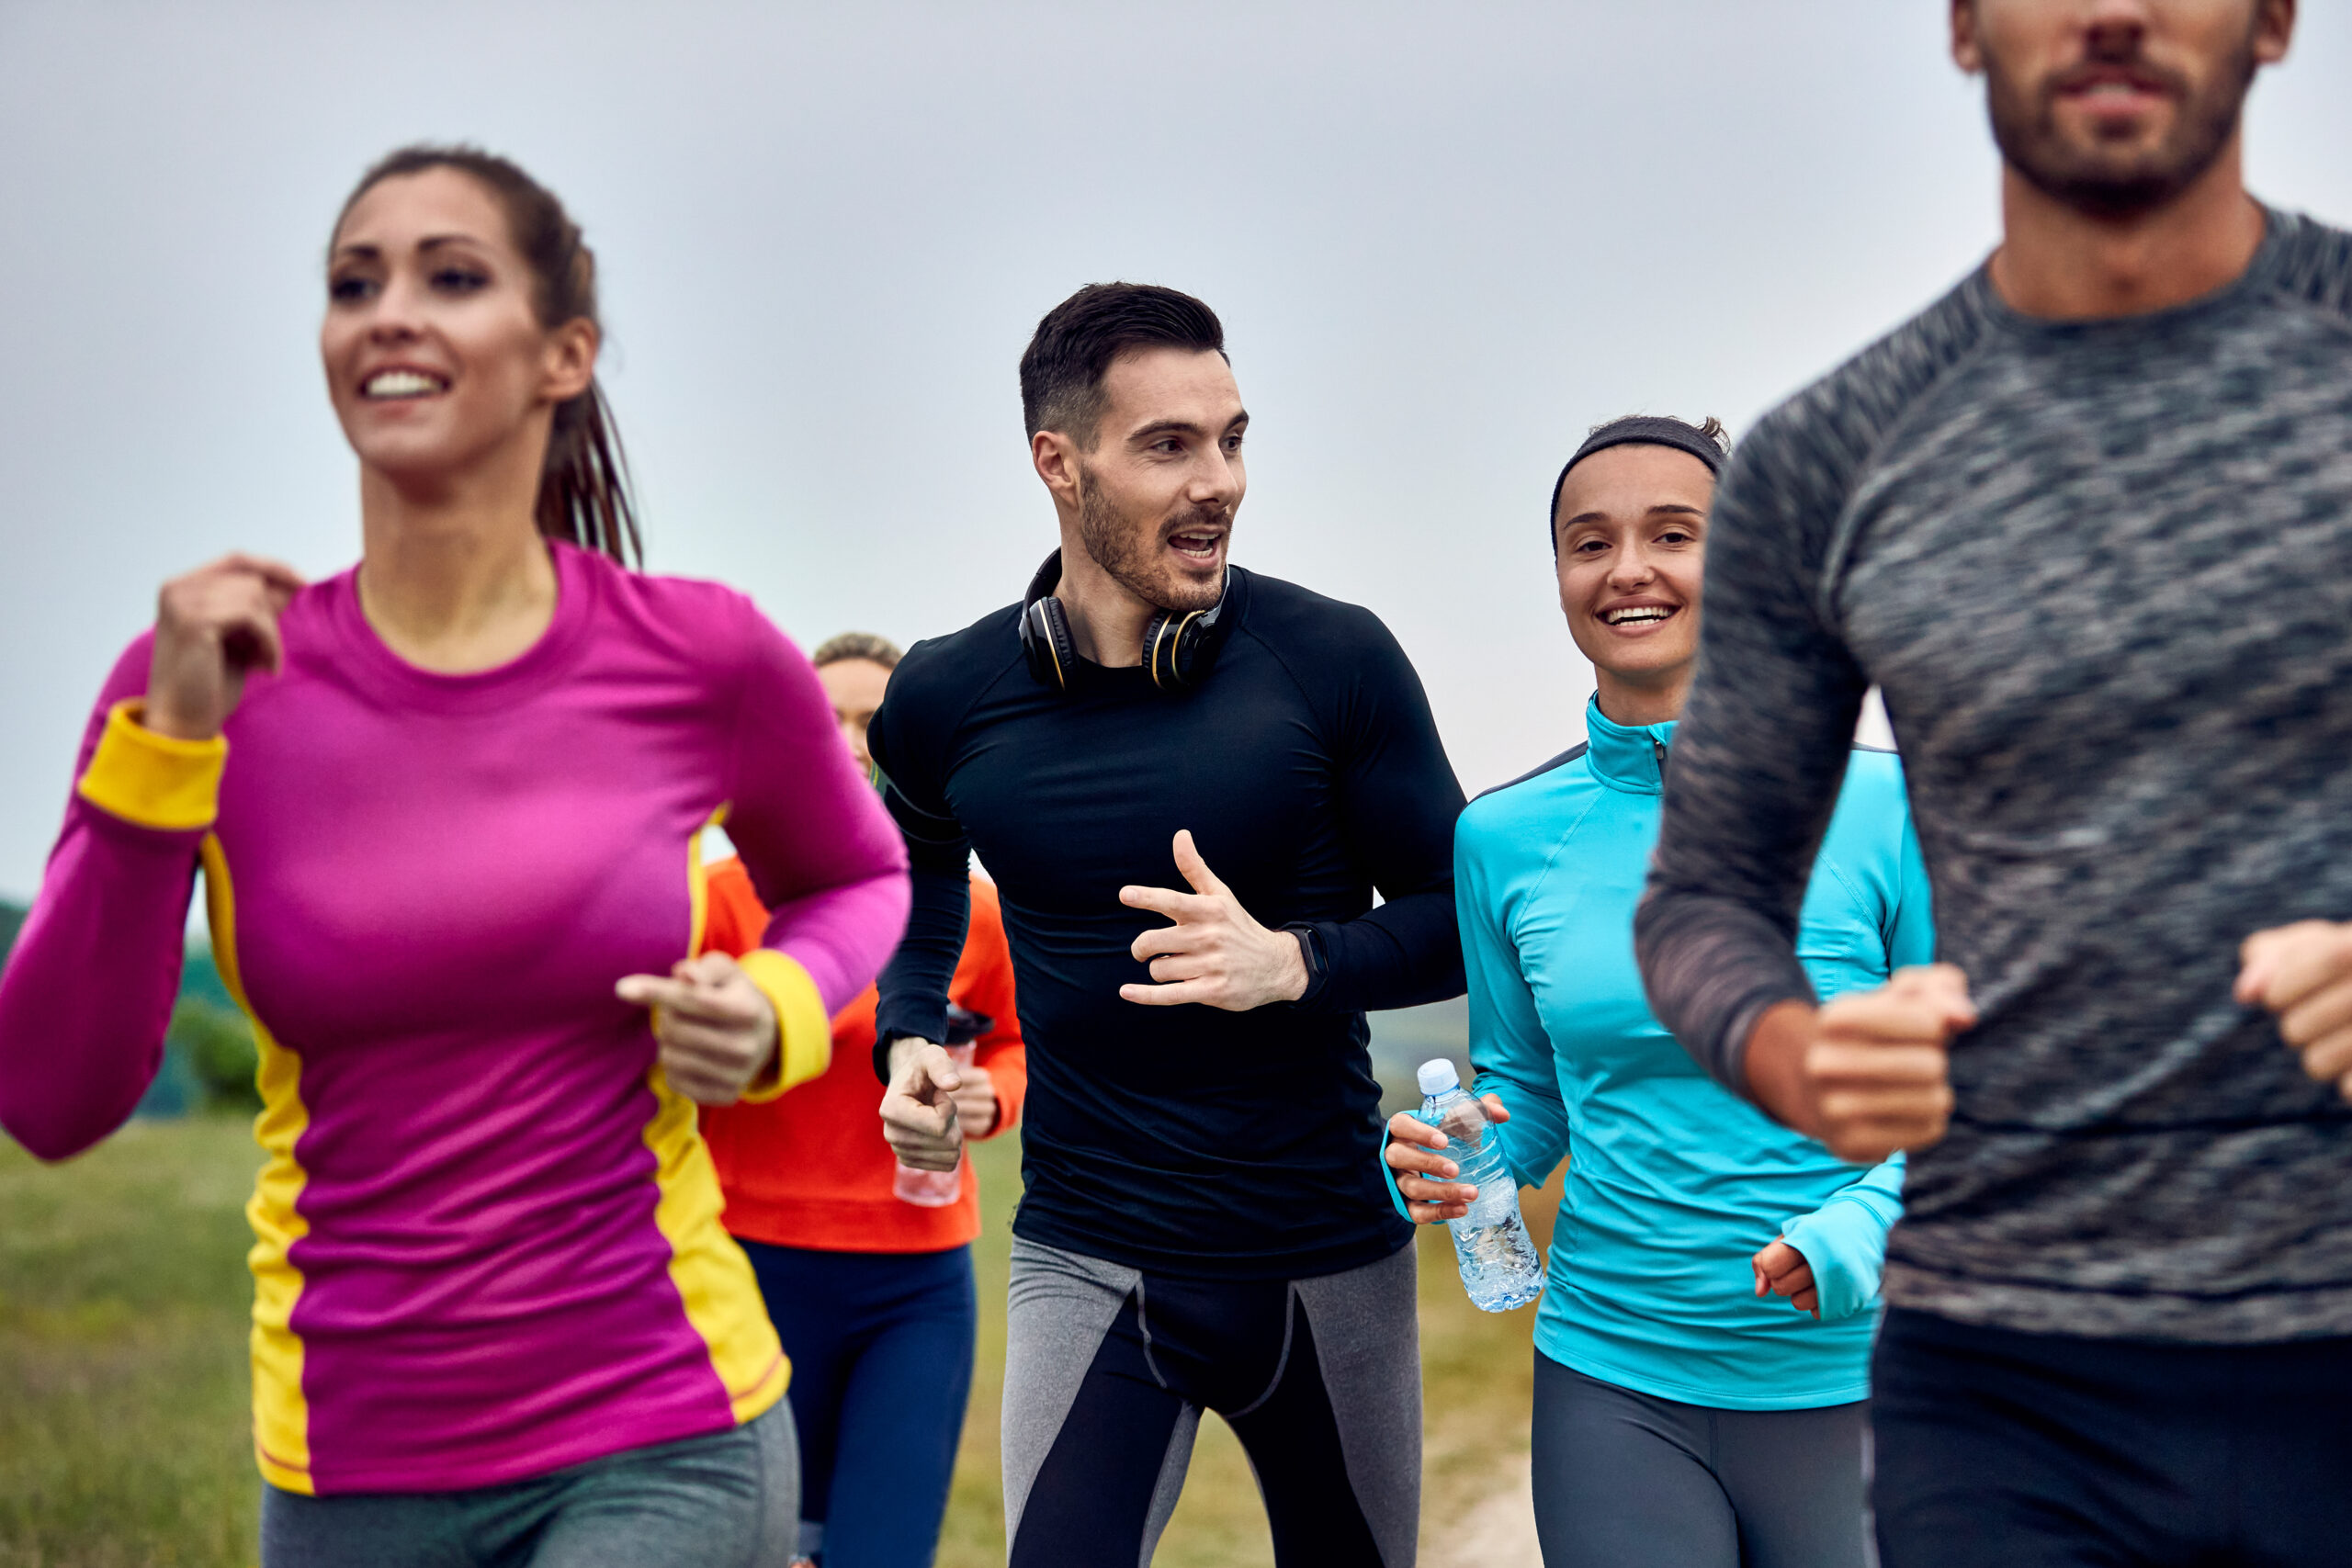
{"x":124,"y":1432}
{"x":123,"y":1419}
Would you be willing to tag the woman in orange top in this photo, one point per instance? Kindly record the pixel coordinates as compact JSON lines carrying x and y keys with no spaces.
{"x":872,"y":1295}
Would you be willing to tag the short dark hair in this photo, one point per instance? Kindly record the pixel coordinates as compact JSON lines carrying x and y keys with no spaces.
{"x":1079,"y":339}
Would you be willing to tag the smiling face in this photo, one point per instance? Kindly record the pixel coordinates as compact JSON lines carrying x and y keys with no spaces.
{"x":436,"y":357}
{"x":2116,"y":106}
{"x":1631,"y":531}
{"x":1158,"y":489}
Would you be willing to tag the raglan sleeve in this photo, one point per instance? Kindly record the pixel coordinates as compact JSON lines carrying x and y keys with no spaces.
{"x":1510,"y":1049}
{"x":823,"y":854}
{"x":1756,"y":764}
{"x":86,"y":999}
{"x":908,"y":739}
{"x":1510,"y":1055}
{"x":1399,"y":800}
{"x":1001,"y":1050}
{"x":1844,"y":1241}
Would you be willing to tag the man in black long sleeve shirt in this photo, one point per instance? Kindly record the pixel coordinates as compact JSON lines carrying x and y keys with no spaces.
{"x":1203,"y":1224}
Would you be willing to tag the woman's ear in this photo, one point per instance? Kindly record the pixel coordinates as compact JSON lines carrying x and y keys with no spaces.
{"x":571,"y":366}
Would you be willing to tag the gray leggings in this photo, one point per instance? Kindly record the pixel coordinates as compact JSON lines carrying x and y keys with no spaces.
{"x":729,"y":1500}
{"x":1627,"y":1480}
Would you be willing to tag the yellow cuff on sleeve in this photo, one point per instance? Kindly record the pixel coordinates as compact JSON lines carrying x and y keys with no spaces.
{"x":804,"y":1046}
{"x":153,"y":780}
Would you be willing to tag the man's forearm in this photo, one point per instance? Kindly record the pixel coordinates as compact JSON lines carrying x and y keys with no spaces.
{"x":1773,"y":1063}
{"x":913,"y":986}
{"x":1712,"y":967}
{"x":1403,"y":953}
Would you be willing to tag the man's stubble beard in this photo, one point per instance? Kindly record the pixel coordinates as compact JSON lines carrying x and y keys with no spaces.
{"x":2025,"y":131}
{"x":1127,"y":555}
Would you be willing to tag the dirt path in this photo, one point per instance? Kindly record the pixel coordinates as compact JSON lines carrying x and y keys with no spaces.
{"x":1498,"y":1533}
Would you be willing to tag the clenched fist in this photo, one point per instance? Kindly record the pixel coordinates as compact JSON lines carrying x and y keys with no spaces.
{"x":1868,"y":1073}
{"x":715,"y":1029}
{"x":212,"y":627}
{"x":2304,"y":973}
{"x":922,"y":1118}
{"x":1781,"y":1270}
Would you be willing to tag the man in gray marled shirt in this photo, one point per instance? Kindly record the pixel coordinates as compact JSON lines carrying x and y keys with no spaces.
{"x":2087,"y":521}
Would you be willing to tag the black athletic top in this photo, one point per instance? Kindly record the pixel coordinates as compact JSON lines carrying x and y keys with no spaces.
{"x":1186,"y":1139}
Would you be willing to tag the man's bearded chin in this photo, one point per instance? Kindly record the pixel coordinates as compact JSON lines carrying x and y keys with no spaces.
{"x":2025,"y":129}
{"x":1130,"y":555}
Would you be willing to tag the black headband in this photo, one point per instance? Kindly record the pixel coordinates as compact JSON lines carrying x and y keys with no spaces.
{"x":1640,"y":430}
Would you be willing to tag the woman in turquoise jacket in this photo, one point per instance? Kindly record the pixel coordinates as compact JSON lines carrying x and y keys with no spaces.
{"x":1685,"y":1415}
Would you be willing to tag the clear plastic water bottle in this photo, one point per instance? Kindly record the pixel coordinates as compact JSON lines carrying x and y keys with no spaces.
{"x":1499,"y":1266}
{"x":935,"y":1188}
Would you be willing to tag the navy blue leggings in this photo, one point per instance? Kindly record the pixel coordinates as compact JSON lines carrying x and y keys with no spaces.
{"x":881,"y":1350}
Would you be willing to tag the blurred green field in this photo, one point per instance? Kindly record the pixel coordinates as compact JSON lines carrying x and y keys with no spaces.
{"x":123,"y":1421}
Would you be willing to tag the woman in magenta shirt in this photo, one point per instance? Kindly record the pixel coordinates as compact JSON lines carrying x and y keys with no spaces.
{"x":445,"y":805}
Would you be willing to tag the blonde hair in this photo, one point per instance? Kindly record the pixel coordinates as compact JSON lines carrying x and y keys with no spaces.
{"x":856,"y":645}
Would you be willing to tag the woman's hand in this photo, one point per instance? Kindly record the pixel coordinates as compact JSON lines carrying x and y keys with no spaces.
{"x":214,"y":626}
{"x":1424,"y":1177}
{"x":714,"y":1028}
{"x":1782,"y":1270}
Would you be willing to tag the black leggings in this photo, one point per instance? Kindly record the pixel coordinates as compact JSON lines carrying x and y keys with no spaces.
{"x":1107,"y":1373}
{"x":1627,"y":1480}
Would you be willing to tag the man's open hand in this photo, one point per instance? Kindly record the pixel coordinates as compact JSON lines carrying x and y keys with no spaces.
{"x":1869,"y":1072}
{"x":1215,"y":954}
{"x":920,"y":1116}
{"x":714,"y":1028}
{"x":2304,"y":973}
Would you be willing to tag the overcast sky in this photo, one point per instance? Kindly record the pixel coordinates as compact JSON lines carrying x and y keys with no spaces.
{"x":1445,"y":240}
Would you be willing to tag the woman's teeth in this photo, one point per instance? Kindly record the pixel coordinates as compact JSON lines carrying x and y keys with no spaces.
{"x":1636,"y":616}
{"x":401,"y":384}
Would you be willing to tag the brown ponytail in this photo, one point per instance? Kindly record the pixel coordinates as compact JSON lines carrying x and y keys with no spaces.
{"x":583,"y":486}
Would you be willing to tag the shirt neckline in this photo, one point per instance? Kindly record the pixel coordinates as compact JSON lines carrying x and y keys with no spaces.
{"x":1625,"y":756}
{"x":1134,"y":682}
{"x":394,"y":680}
{"x":2257,"y":275}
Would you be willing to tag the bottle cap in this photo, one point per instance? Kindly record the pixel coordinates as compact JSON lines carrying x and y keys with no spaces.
{"x":1438,"y":1076}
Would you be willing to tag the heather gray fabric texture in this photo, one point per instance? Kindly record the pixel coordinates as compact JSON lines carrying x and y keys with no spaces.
{"x":1058,"y":1307}
{"x":2102,"y":572}
{"x":728,"y":1500}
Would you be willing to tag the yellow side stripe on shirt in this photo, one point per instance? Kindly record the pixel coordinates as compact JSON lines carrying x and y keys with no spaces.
{"x":281,"y":1416}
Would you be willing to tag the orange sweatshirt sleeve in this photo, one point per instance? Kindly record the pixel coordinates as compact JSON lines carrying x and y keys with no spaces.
{"x":984,"y":983}
{"x":734,"y":918}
